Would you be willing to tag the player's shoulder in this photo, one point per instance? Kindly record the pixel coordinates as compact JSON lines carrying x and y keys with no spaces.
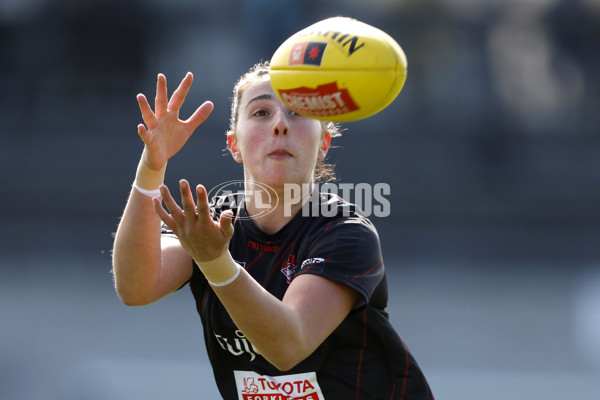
{"x":334,"y":215}
{"x":331,"y":206}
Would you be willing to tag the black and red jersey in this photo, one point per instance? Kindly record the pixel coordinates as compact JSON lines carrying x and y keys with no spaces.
{"x":364,"y":358}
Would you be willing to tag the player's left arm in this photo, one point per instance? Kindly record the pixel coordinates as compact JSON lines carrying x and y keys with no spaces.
{"x":287,"y":331}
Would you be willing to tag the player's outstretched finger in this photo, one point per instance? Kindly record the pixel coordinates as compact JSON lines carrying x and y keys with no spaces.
{"x":175,"y":211}
{"x":187,"y":199}
{"x":160,"y":102}
{"x":163,"y":214}
{"x":203,"y":206}
{"x":226,"y":223}
{"x":143,"y":133}
{"x":181,"y":92}
{"x":200,"y":115}
{"x":147,"y":113}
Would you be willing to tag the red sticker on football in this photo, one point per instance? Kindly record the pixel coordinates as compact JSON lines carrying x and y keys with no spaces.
{"x":325,"y":100}
{"x":307,"y":53}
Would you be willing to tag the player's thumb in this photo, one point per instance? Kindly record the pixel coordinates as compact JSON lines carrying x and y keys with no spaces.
{"x":226,"y":222}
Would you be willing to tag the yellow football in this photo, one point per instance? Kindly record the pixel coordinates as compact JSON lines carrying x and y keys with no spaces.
{"x":338,"y":69}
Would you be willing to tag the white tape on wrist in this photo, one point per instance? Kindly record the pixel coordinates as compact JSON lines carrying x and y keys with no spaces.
{"x":146,"y":192}
{"x":220,"y":271}
{"x":228,"y":281}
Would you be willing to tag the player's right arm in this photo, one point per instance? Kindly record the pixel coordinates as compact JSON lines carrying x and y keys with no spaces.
{"x":147,"y":266}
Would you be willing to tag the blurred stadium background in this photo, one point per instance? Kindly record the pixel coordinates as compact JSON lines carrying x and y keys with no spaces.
{"x":492,"y":152}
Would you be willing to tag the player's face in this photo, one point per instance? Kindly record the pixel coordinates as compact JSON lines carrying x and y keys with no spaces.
{"x":275,"y":144}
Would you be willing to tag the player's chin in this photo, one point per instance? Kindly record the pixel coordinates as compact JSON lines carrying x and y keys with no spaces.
{"x":281,"y":178}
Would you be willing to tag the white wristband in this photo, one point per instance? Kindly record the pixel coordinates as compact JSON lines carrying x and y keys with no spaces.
{"x":146,"y":192}
{"x":220,"y":271}
{"x":228,"y":281}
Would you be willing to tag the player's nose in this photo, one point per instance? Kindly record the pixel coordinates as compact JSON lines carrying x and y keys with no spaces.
{"x":280,"y":123}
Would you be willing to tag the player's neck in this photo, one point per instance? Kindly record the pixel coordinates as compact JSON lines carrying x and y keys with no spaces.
{"x":272,"y":209}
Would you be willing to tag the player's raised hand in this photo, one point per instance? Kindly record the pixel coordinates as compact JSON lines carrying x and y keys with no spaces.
{"x":204,"y":238}
{"x":163,"y":133}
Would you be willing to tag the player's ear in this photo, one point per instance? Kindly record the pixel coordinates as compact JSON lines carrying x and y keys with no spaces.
{"x":234,"y":148}
{"x":325,"y":144}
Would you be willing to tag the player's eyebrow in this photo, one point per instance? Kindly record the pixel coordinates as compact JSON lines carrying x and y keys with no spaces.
{"x":259,"y":97}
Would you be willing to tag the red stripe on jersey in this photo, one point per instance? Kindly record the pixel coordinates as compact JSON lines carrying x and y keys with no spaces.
{"x":325,"y":230}
{"x":368,"y":272}
{"x":406,"y":371}
{"x":253,"y":261}
{"x":362,"y":351}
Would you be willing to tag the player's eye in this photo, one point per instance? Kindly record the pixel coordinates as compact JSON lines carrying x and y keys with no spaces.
{"x":260,"y":113}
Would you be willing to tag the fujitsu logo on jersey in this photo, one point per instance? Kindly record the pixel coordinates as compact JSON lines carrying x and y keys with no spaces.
{"x":238,"y":345}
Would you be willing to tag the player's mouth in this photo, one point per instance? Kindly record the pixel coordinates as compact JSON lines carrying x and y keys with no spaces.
{"x":280,"y":154}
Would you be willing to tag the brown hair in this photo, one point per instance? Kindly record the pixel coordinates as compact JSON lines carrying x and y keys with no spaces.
{"x":324,"y":172}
